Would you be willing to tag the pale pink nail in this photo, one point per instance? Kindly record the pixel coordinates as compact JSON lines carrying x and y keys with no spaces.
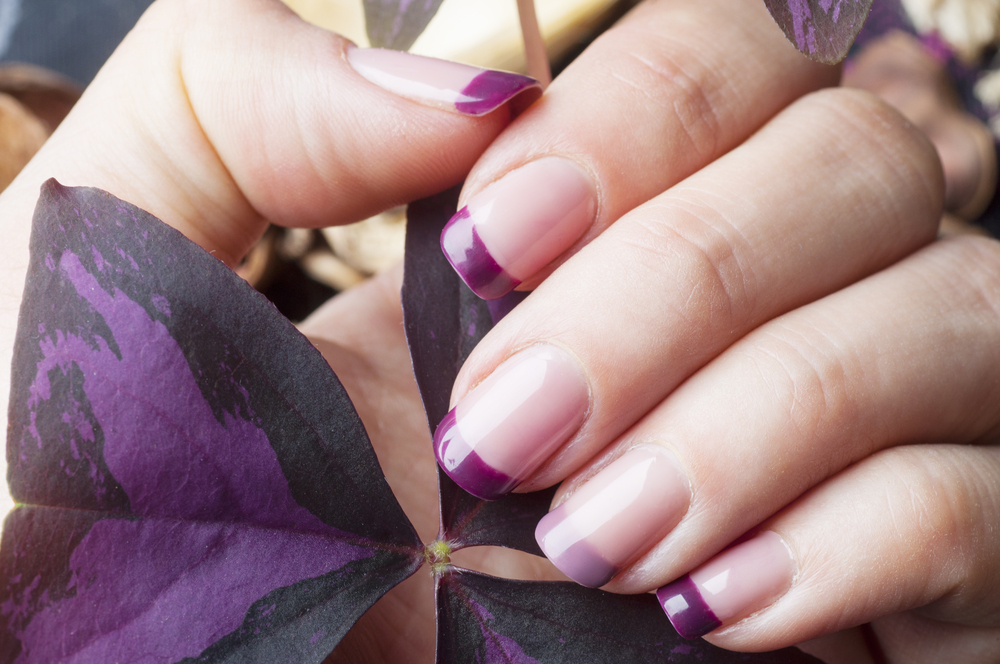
{"x":616,"y":516}
{"x":738,"y":582}
{"x":440,"y":83}
{"x":513,"y":421}
{"x":519,"y":224}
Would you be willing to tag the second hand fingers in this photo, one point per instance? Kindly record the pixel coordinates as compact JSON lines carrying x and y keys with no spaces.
{"x":679,"y":279}
{"x":219,"y":117}
{"x":905,"y":356}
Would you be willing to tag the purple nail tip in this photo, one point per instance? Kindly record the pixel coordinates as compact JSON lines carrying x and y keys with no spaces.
{"x":580,"y":561}
{"x":686,"y":609}
{"x":461,"y":463}
{"x":490,"y":90}
{"x":466,"y":252}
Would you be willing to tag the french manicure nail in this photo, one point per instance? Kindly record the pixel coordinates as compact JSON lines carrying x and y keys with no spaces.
{"x":740,"y":581}
{"x":519,"y":224}
{"x":496,"y":436}
{"x":440,"y":83}
{"x":616,"y":516}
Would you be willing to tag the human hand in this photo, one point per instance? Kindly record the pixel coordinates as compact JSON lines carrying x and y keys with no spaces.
{"x":773,"y":351}
{"x":902,"y":71}
{"x":221,"y":117}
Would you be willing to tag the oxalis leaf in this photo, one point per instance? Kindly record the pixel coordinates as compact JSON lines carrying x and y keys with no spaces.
{"x":397,"y":23}
{"x":192,"y":481}
{"x":444,"y":320}
{"x":822,"y":29}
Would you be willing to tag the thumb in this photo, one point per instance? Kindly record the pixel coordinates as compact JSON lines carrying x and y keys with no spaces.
{"x":218,"y":117}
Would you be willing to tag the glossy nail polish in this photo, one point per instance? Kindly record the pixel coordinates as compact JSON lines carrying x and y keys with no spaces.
{"x":738,"y":582}
{"x":440,"y":83}
{"x":519,"y":224}
{"x":616,"y":516}
{"x":513,"y":421}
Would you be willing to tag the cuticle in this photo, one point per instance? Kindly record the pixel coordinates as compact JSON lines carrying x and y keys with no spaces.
{"x":345,"y":46}
{"x":795,"y":563}
{"x":725,"y":629}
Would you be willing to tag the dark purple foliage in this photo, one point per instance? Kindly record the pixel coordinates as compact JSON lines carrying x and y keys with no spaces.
{"x":193,"y":484}
{"x":485,"y":619}
{"x":397,"y":23}
{"x":184,"y":490}
{"x":822,"y":29}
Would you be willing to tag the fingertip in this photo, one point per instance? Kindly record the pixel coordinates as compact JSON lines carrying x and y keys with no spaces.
{"x":443,"y":84}
{"x":511,"y":230}
{"x":738,"y":582}
{"x":315,"y":131}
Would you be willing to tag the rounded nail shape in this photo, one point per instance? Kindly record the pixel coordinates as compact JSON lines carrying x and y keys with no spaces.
{"x":616,"y":516}
{"x":466,"y":252}
{"x":519,"y":224}
{"x":513,"y":421}
{"x":736,"y":583}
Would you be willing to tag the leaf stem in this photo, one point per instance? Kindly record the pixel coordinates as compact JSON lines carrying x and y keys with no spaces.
{"x":438,"y":556}
{"x":534,"y":46}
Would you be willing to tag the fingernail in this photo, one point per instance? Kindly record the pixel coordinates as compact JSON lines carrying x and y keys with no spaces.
{"x":740,"y":581}
{"x":512,"y":422}
{"x":519,"y":224}
{"x":615,"y":517}
{"x":440,"y":83}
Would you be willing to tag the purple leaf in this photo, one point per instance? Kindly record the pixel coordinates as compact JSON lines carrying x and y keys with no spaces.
{"x":184,"y":491}
{"x":397,"y":23}
{"x":444,"y":321}
{"x":822,"y":29}
{"x":488,"y":620}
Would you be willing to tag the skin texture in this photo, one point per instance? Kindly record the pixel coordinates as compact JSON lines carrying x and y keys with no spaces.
{"x":817,"y":363}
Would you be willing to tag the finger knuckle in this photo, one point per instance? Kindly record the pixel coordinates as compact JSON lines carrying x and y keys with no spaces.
{"x":967,"y":270}
{"x":874,"y":140}
{"x":704,"y":261}
{"x":688,"y":87}
{"x":937,"y":511}
{"x":818,"y":386}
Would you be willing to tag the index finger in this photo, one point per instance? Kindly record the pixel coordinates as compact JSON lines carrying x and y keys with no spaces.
{"x":668,"y":90}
